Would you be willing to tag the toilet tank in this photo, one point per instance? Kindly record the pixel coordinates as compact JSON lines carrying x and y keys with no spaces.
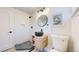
{"x":60,"y":42}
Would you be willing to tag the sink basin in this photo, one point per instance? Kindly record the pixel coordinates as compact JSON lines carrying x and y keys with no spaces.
{"x":38,"y":33}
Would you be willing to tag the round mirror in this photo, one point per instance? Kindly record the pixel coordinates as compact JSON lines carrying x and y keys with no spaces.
{"x":42,"y":20}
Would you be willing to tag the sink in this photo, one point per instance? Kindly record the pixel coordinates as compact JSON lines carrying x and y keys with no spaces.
{"x":38,"y":33}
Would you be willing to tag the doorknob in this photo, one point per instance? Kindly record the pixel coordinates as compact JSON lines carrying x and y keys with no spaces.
{"x":10,"y":32}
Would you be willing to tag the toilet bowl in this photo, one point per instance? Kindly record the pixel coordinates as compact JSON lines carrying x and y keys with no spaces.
{"x":60,"y":43}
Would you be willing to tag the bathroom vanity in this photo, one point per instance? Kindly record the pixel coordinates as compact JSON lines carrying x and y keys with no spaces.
{"x":40,"y":42}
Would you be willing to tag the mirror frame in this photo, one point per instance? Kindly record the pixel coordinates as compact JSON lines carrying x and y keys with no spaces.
{"x":42,"y":19}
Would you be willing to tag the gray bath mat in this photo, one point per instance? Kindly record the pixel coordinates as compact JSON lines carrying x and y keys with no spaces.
{"x":24,"y":46}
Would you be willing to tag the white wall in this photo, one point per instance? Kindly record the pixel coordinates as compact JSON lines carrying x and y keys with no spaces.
{"x":66,"y":14}
{"x":16,"y":21}
{"x":75,"y":32}
{"x":5,"y":37}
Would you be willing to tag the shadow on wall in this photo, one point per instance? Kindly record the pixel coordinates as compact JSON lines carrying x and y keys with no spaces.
{"x":70,"y":45}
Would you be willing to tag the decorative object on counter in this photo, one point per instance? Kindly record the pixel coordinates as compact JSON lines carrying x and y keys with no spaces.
{"x":57,"y":19}
{"x":42,"y":20}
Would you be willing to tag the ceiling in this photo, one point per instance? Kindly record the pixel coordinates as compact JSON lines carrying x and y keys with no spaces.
{"x":33,"y":10}
{"x":29,"y":10}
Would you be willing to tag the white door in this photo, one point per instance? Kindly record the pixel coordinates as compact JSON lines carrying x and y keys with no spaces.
{"x":5,"y":41}
{"x":12,"y":25}
{"x":22,"y":31}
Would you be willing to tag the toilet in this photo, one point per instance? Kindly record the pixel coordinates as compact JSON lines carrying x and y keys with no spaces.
{"x":59,"y":43}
